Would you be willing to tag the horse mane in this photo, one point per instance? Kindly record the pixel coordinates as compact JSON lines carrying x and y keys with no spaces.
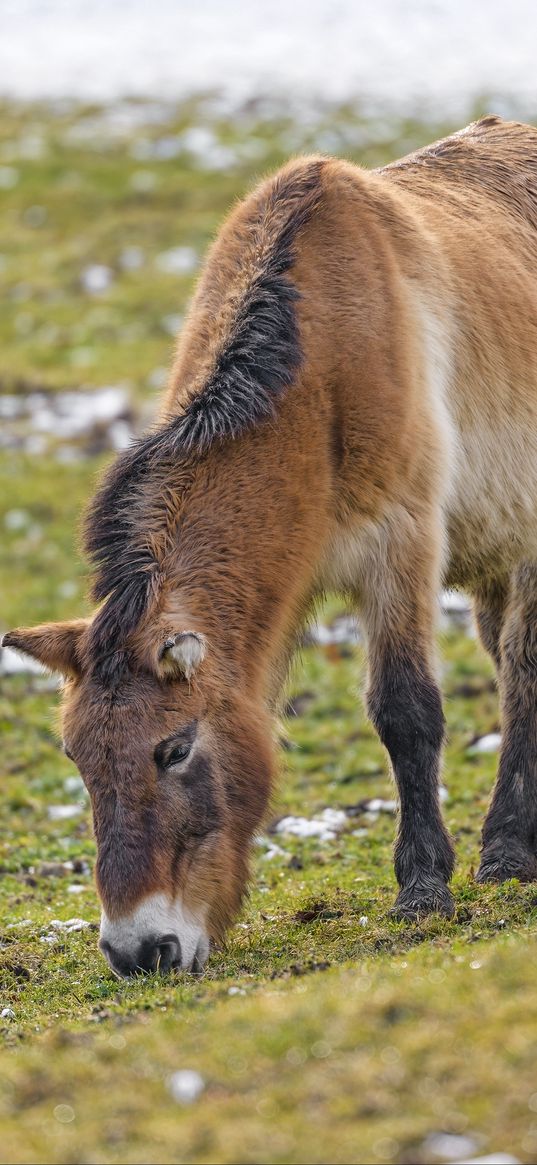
{"x":257,"y":362}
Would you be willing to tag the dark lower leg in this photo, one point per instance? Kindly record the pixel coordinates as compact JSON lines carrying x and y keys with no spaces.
{"x":405,"y":706}
{"x":509,"y":833}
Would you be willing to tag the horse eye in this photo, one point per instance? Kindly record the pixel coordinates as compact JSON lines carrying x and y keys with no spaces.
{"x":177,"y":755}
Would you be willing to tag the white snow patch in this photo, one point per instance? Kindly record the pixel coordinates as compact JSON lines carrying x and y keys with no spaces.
{"x":63,"y":812}
{"x":70,"y":925}
{"x":177,"y":261}
{"x":96,"y":278}
{"x":11,"y":663}
{"x":450,"y":1146}
{"x":185,"y":1086}
{"x":325,"y":826}
{"x":489,"y":743}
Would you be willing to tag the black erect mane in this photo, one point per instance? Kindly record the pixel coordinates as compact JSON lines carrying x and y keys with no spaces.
{"x":258,"y":363}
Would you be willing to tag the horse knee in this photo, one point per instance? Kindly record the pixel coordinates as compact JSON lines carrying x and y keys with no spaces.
{"x":405,"y":707}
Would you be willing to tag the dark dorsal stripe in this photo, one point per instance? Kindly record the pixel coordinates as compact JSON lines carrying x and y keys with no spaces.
{"x":255,"y":366}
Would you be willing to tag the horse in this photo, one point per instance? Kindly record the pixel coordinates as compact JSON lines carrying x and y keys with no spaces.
{"x":352,"y":406}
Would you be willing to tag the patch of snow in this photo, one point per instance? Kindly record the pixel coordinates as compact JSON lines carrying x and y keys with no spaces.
{"x":131,"y":258}
{"x":489,"y":743}
{"x":171,"y":323}
{"x":11,"y":663}
{"x":96,"y":278}
{"x":11,"y":406}
{"x":342,"y":630}
{"x":17,"y":519}
{"x":273,"y":851}
{"x":243,"y":50}
{"x":120,"y":435}
{"x":74,"y":784}
{"x":63,"y":812}
{"x":453,"y":602}
{"x":325,"y":826}
{"x":9,"y":177}
{"x":450,"y":1146}
{"x":68,"y":589}
{"x":185,"y":1086}
{"x":177,"y":261}
{"x":70,"y":925}
{"x":379,"y":805}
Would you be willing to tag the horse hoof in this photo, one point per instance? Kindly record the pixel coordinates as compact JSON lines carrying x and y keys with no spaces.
{"x":500,"y":868}
{"x":417,"y":902}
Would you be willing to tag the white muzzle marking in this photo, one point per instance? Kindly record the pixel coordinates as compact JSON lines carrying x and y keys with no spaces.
{"x":155,"y":918}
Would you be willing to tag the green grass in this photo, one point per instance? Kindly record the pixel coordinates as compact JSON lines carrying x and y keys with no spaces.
{"x":346,"y":1036}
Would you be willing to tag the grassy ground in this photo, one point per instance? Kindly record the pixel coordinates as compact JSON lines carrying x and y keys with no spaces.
{"x":326,"y":1031}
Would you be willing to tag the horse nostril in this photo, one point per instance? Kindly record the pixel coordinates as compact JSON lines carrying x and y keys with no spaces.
{"x":168,"y":953}
{"x":125,"y":967}
{"x":158,"y":955}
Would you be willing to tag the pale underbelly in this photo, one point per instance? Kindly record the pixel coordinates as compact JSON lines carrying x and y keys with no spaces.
{"x":491,"y":513}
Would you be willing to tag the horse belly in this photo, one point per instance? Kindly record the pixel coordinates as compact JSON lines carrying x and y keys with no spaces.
{"x":491,"y":513}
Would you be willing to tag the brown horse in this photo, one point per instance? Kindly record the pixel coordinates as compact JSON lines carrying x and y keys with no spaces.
{"x":354,"y":406}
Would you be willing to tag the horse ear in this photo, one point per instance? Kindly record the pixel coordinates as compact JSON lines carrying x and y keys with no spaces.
{"x":54,"y":645}
{"x":183,"y":653}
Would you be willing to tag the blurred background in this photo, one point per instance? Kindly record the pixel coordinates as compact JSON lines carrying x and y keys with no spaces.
{"x":127,"y":130}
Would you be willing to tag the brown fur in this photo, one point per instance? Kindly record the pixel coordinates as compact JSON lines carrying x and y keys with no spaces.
{"x":403,"y":453}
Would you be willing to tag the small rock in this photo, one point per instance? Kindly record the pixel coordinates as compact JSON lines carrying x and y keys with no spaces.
{"x":185,"y":1086}
{"x":7,"y":1013}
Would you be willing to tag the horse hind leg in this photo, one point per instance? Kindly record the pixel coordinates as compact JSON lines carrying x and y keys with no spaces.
{"x":509,"y":835}
{"x":489,"y":612}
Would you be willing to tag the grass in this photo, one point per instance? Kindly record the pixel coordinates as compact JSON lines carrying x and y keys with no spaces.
{"x":326,"y":1031}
